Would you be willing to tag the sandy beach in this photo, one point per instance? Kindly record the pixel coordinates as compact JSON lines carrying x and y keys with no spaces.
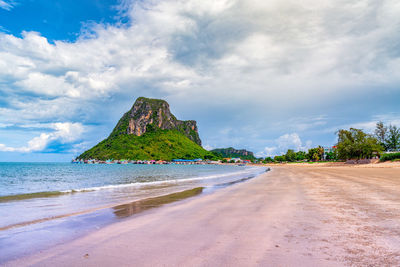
{"x":290,"y":216}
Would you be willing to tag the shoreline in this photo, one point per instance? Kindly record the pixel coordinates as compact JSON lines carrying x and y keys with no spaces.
{"x":162,"y":199}
{"x":137,"y":184}
{"x":33,"y":207}
{"x":386,"y":164}
{"x":336,"y":216}
{"x":100,"y":216}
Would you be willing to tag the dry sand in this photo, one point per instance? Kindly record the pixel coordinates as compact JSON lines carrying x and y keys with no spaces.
{"x":291,"y":216}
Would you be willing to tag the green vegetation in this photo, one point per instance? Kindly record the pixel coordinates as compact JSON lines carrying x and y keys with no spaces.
{"x":280,"y":158}
{"x":301,"y":155}
{"x":388,"y":136}
{"x":393,"y":138}
{"x":155,"y":113}
{"x":331,"y":156}
{"x":352,"y":144}
{"x":292,"y":156}
{"x":230,"y":152}
{"x":268,"y":160}
{"x":149,"y":131}
{"x":122,"y":126}
{"x":31,"y":195}
{"x":390,"y":156}
{"x":381,"y":133}
{"x":315,"y":154}
{"x":355,"y":144}
{"x":155,"y":144}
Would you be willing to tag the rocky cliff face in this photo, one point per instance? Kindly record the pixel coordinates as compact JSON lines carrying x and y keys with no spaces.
{"x":150,"y":114}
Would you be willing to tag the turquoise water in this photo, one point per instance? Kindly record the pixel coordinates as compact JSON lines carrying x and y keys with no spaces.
{"x":54,"y":189}
{"x":66,"y":199}
{"x":24,"y":178}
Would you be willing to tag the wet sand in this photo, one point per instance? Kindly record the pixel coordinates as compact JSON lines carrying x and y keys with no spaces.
{"x":291,"y":216}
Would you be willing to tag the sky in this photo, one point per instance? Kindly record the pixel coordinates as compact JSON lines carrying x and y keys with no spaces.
{"x":265,"y":76}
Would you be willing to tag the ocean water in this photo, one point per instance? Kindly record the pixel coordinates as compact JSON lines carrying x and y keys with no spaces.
{"x":61,"y":198}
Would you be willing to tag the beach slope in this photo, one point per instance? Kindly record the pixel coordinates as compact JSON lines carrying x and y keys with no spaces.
{"x":291,"y":216}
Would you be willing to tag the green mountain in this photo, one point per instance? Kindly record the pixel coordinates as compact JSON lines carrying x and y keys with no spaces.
{"x":150,"y":131}
{"x":230,"y":152}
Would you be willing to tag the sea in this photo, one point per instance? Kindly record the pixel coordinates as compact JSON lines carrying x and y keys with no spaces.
{"x":45,"y":204}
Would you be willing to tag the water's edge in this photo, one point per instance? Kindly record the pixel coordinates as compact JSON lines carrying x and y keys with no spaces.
{"x":30,"y":237}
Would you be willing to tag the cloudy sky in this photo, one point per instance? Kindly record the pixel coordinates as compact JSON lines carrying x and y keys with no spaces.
{"x":261,"y":75}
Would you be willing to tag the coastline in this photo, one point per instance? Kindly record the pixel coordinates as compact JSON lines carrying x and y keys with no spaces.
{"x":320,"y":216}
{"x":86,"y":188}
{"x":122,"y":208}
{"x":377,"y":164}
{"x":69,"y":226}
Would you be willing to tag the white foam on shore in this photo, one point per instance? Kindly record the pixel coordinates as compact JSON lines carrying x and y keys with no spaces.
{"x":251,"y":171}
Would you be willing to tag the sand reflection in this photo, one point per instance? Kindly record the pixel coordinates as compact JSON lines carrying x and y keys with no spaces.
{"x":126,"y":210}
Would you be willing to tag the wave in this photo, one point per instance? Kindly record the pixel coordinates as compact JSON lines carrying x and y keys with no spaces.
{"x":171,"y":181}
{"x":25,"y":196}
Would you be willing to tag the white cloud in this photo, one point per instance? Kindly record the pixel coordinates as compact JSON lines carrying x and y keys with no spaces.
{"x":63,"y":132}
{"x":261,"y":57}
{"x":267,"y":152}
{"x":283,"y":143}
{"x":294,"y":41}
{"x":7,"y":5}
{"x":287,"y":141}
{"x":4,"y":125}
{"x":368,"y":125}
{"x":208,"y":147}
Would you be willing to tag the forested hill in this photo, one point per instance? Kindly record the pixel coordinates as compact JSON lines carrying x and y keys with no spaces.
{"x":150,"y":131}
{"x":231,"y":152}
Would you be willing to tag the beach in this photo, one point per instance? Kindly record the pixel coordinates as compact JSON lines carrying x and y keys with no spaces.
{"x":293,"y":215}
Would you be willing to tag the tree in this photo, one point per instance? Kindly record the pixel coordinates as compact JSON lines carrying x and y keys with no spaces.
{"x":380,"y":133}
{"x":393,"y":138}
{"x":388,"y":137}
{"x":290,"y":155}
{"x":355,"y":144}
{"x":321,"y":152}
{"x":268,"y":159}
{"x":310,"y":154}
{"x":331,"y":155}
{"x":279,"y":158}
{"x":301,"y":155}
{"x":315,"y":154}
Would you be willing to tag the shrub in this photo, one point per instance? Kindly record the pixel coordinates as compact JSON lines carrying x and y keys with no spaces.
{"x":390,"y":156}
{"x":279,"y":158}
{"x":268,"y":159}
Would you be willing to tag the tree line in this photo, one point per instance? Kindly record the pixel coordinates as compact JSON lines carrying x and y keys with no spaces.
{"x":352,"y":144}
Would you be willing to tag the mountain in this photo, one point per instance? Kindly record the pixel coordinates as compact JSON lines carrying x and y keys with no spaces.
{"x":156,"y":113}
{"x":230,"y":152}
{"x":150,"y":131}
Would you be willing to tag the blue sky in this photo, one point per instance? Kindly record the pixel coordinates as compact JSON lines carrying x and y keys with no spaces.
{"x":260,"y":75}
{"x":56,"y":20}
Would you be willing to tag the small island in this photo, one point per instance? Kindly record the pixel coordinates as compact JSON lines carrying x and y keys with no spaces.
{"x":149,"y":131}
